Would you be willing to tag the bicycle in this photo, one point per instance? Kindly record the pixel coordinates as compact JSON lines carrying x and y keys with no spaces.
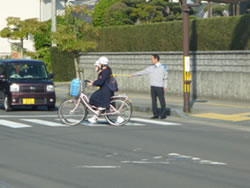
{"x":73,"y":111}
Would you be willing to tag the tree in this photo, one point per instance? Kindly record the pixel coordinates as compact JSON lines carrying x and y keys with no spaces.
{"x":18,"y":29}
{"x":217,"y":9}
{"x":118,"y":14}
{"x":43,"y":43}
{"x":100,"y":9}
{"x":124,"y":12}
{"x":76,"y":35}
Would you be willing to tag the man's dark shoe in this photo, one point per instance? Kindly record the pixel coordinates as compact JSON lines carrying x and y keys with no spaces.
{"x":163,"y":117}
{"x":154,"y":117}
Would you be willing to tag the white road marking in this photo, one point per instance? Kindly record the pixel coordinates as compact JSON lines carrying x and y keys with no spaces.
{"x":145,"y":162}
{"x":137,"y":149}
{"x":180,"y":156}
{"x":103,"y":123}
{"x":100,"y":122}
{"x":154,"y":122}
{"x":111,"y":155}
{"x":26,"y":116}
{"x":13,"y":124}
{"x":195,"y":159}
{"x":212,"y":162}
{"x":43,"y":122}
{"x":86,"y":123}
{"x":99,"y":167}
{"x":134,"y":124}
{"x":127,"y":124}
{"x":157,"y":157}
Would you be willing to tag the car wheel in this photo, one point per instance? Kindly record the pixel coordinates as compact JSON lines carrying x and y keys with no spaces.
{"x":7,"y":106}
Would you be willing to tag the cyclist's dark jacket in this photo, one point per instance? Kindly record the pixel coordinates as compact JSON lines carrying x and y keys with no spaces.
{"x":101,"y":97}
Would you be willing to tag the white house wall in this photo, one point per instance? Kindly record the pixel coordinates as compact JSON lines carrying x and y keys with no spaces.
{"x":24,"y":9}
{"x":46,"y":8}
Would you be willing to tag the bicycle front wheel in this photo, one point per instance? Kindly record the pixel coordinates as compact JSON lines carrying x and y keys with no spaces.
{"x":120,"y":112}
{"x":72,"y":113}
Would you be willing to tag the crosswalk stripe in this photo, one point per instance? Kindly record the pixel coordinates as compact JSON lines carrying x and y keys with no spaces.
{"x":127,"y":124}
{"x":43,"y":122}
{"x":100,"y":123}
{"x":154,"y":122}
{"x":13,"y":124}
{"x":103,"y":123}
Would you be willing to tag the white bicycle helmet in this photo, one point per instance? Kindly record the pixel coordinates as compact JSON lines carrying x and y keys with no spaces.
{"x":103,"y":60}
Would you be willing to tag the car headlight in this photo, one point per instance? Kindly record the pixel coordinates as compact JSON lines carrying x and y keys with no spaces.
{"x":50,"y":88}
{"x":14,"y":88}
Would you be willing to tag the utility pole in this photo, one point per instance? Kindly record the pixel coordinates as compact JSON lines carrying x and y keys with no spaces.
{"x":187,"y":77}
{"x":186,"y":57}
{"x":53,"y":19}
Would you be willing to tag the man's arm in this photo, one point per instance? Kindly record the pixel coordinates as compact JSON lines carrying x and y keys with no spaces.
{"x":143,"y":72}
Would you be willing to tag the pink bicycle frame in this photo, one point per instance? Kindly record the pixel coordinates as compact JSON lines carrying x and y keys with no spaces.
{"x":85,"y":100}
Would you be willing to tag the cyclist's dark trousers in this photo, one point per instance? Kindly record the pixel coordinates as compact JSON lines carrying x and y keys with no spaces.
{"x":158,"y":92}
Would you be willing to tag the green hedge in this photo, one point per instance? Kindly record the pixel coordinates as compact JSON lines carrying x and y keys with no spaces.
{"x":62,"y":65}
{"x":220,"y":33}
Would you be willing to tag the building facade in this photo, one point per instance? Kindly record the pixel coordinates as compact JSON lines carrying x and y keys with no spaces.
{"x":40,"y":9}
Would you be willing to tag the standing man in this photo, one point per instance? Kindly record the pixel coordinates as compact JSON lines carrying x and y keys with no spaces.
{"x":158,"y":74}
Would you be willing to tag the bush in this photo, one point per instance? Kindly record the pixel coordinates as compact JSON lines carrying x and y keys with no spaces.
{"x":220,"y":33}
{"x":62,"y":65}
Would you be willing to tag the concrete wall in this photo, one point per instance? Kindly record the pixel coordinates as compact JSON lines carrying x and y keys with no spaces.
{"x":221,"y":75}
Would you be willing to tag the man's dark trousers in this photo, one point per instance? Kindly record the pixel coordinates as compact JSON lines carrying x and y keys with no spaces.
{"x":158,"y":92}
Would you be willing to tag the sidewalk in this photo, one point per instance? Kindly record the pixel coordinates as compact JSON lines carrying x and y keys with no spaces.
{"x":233,"y":112}
{"x":206,"y":109}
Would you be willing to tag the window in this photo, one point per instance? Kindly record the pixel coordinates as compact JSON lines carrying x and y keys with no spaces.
{"x":27,"y":71}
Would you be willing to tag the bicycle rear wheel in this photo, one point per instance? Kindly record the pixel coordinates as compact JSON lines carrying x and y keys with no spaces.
{"x":71,"y":114}
{"x":121,"y":113}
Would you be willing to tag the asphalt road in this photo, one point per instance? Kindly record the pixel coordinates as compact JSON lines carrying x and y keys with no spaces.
{"x":40,"y":152}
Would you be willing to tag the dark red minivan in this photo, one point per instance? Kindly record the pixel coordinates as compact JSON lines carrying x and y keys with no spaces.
{"x":26,"y":83}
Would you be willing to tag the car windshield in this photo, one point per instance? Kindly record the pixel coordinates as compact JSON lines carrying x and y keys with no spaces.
{"x":31,"y":70}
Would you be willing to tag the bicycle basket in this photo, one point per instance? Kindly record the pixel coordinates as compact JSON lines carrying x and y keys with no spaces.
{"x":75,"y":87}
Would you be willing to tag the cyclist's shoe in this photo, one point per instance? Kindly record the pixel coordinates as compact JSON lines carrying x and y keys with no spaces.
{"x":119,"y":120}
{"x":93,"y":119}
{"x":101,"y":108}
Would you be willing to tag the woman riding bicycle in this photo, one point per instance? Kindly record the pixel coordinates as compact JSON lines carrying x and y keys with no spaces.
{"x":101,"y":97}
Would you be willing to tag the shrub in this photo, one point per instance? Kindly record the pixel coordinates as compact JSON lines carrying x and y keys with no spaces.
{"x":220,"y":33}
{"x":62,"y":65}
